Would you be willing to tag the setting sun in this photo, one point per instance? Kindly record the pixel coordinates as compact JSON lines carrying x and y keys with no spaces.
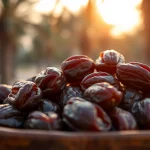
{"x":122,"y":14}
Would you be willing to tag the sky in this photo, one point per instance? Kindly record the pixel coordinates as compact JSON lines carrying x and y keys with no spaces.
{"x":122,"y":14}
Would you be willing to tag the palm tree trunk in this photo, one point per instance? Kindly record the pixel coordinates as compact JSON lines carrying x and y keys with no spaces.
{"x":3,"y":67}
{"x":6,"y":61}
{"x":6,"y":53}
{"x":146,"y":20}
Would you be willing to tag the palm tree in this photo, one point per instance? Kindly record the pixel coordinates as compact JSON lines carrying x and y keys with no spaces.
{"x":92,"y":19}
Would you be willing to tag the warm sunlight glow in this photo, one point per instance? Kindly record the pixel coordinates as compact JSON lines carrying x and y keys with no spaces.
{"x":74,"y":5}
{"x":123,"y":14}
{"x":45,"y":5}
{"x":48,"y":5}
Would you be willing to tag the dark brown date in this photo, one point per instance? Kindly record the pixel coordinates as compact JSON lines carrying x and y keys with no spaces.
{"x":49,"y":106}
{"x":141,"y":111}
{"x":70,"y":91}
{"x":42,"y":121}
{"x":98,"y":77}
{"x":51,"y":81}
{"x":81,"y":115}
{"x":10,"y":116}
{"x":103,"y":94}
{"x":135,"y":75}
{"x":122,"y":120}
{"x":75,"y":68}
{"x":108,"y":60}
{"x":25,"y":96}
{"x":130,"y":96}
{"x":4,"y":92}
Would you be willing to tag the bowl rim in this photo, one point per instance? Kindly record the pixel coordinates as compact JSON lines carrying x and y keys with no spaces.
{"x":7,"y":132}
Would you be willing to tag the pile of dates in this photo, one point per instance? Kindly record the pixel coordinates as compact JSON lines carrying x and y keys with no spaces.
{"x":84,"y":95}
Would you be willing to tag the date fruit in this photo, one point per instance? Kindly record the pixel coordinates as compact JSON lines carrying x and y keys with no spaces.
{"x":70,"y":91}
{"x":135,"y":75}
{"x":130,"y":96}
{"x":49,"y":106}
{"x":81,"y":115}
{"x":10,"y":116}
{"x":51,"y":81}
{"x":122,"y":119}
{"x":42,"y":121}
{"x":141,"y":111}
{"x":103,"y":94}
{"x":108,"y":60}
{"x":75,"y":68}
{"x":25,"y":96}
{"x":98,"y":77}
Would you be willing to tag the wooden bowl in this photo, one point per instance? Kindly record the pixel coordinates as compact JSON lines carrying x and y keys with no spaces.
{"x":15,"y":139}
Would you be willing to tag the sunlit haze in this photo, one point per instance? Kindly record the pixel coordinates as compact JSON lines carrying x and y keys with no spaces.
{"x":47,"y":5}
{"x":122,"y":14}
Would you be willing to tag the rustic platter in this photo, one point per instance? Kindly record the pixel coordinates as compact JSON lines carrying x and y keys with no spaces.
{"x":17,"y":139}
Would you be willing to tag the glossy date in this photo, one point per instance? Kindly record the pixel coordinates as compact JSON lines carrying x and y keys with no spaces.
{"x":75,"y":68}
{"x":141,"y":111}
{"x":10,"y":116}
{"x":51,"y":81}
{"x":81,"y":115}
{"x":70,"y":91}
{"x":122,"y":119}
{"x":39,"y":120}
{"x":98,"y":77}
{"x":130,"y":96}
{"x":108,"y":60}
{"x":134,"y":75}
{"x":103,"y":94}
{"x":25,"y":96}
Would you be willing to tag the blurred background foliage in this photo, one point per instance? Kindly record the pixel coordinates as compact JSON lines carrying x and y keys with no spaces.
{"x":32,"y":39}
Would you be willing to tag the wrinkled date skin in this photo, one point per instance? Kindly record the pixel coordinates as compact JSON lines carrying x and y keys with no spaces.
{"x":10,"y":116}
{"x":47,"y":106}
{"x":122,"y":120}
{"x":135,"y":75}
{"x":39,"y":120}
{"x":4,"y":92}
{"x":103,"y":94}
{"x":25,"y":96}
{"x":75,"y":68}
{"x":141,"y":112}
{"x":98,"y":77}
{"x":130,"y":96}
{"x":70,"y":91}
{"x":81,"y":115}
{"x":108,"y":60}
{"x":51,"y":81}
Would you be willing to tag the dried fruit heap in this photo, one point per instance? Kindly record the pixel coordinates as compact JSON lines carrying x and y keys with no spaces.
{"x":105,"y":95}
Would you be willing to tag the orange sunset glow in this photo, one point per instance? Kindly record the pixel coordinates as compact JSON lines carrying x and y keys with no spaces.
{"x":122,"y":14}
